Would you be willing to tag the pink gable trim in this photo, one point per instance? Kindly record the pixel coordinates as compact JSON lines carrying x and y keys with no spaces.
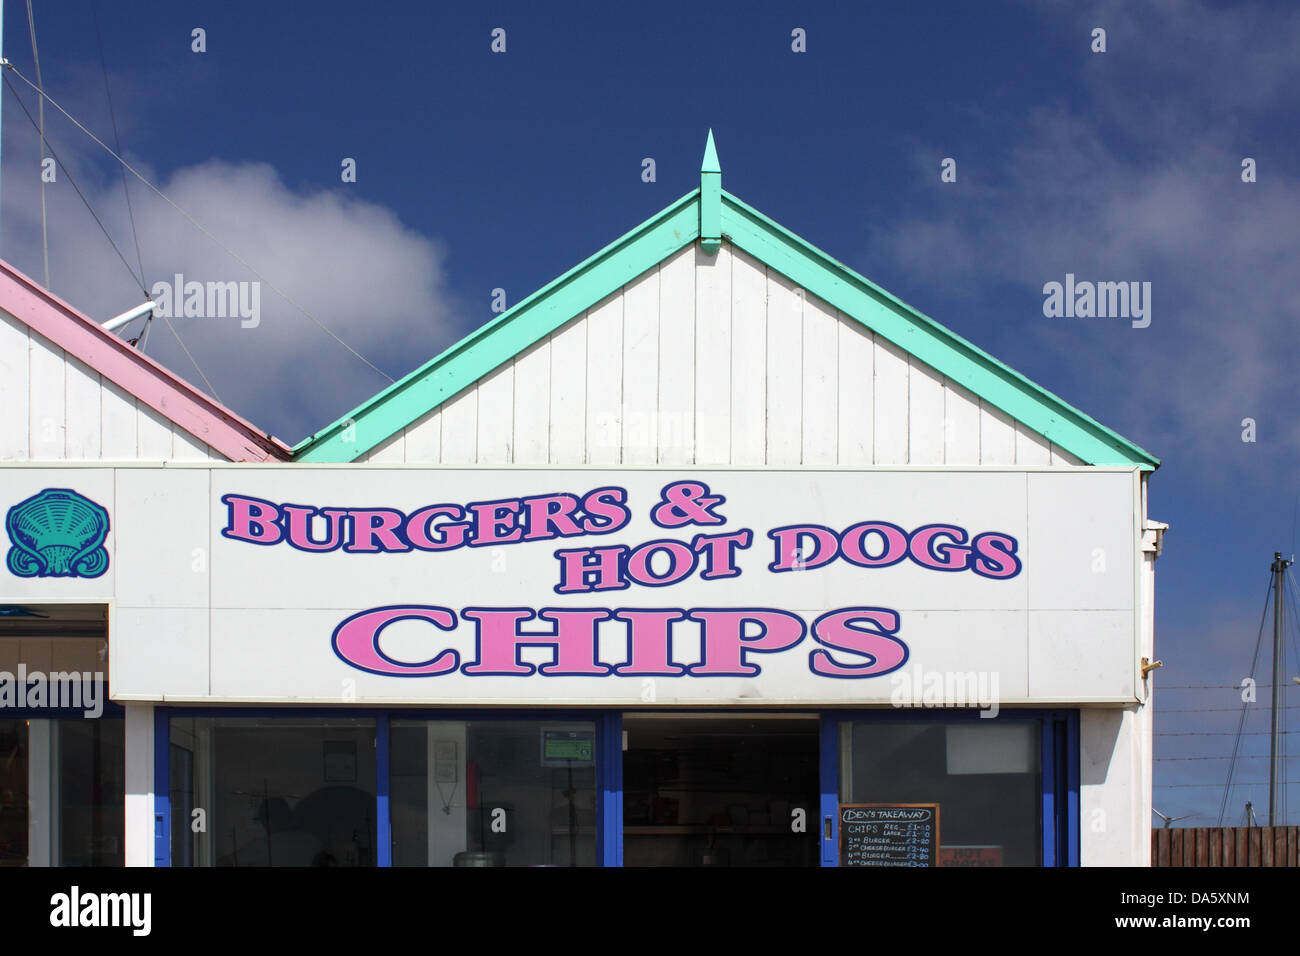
{"x":116,"y":360}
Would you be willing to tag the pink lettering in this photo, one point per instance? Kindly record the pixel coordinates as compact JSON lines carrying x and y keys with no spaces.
{"x":551,"y":512}
{"x":300,"y":527}
{"x":648,"y":642}
{"x":681,"y":562}
{"x":883,"y":652}
{"x":356,"y":641}
{"x":725,"y":643}
{"x":500,"y":640}
{"x":491,"y":517}
{"x":941,"y":557}
{"x":720,"y":552}
{"x":451,"y":535}
{"x":997,"y":556}
{"x":604,"y":564}
{"x":246,"y":514}
{"x":605,"y":509}
{"x":376,"y":523}
{"x":853,"y":544}
{"x":791,"y":554}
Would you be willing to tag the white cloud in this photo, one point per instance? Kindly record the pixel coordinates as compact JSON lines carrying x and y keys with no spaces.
{"x":1125,"y":186}
{"x":378,"y":284}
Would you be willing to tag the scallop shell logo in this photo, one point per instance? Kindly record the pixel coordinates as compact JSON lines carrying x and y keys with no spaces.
{"x":57,"y":534}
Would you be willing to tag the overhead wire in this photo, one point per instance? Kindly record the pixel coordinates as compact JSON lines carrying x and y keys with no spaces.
{"x":1210,"y":733}
{"x":1240,"y":783}
{"x":1216,"y":710}
{"x":140,"y":340}
{"x":117,"y":140}
{"x":1241,"y":722}
{"x":197,"y":225}
{"x":144,"y":333}
{"x":76,"y":188}
{"x":1295,"y":615}
{"x":1223,"y":757}
{"x":36,"y":60}
{"x":143,"y":338}
{"x":180,"y":342}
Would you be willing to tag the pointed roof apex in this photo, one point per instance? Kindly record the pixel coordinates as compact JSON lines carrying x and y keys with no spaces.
{"x":710,"y":199}
{"x":710,"y":164}
{"x":707,"y":215}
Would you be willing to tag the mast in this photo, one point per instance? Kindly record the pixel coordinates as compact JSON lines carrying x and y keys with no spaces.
{"x":1279,"y":571}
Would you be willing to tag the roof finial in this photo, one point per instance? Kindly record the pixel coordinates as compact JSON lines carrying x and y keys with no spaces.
{"x":710,"y":198}
{"x":710,"y":164}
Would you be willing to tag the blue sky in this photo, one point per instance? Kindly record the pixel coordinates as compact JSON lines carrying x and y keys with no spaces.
{"x":477,"y":171}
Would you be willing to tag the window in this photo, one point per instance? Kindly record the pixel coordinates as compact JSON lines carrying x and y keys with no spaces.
{"x":13,"y":793}
{"x":984,"y":775}
{"x":91,"y":811}
{"x":273,"y":791}
{"x":493,"y":793}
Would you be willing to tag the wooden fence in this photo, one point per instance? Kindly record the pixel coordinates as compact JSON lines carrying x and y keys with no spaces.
{"x":1225,"y":846}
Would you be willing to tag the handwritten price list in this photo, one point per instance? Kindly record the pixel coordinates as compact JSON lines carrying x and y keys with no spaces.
{"x":886,"y":835}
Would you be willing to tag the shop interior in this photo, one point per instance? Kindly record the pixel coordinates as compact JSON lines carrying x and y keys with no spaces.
{"x":70,"y":758}
{"x":493,"y":793}
{"x":710,"y":790}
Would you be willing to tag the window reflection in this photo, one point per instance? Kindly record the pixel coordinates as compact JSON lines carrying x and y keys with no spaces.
{"x":273,"y":791}
{"x":91,"y":766}
{"x":493,"y":793}
{"x":984,"y":774}
{"x":13,"y":793}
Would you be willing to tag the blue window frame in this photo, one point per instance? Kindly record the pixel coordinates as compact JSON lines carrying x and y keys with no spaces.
{"x":1059,"y":769}
{"x":1059,"y":751}
{"x":608,"y":763}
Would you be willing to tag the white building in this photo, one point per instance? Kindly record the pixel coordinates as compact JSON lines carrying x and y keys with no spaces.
{"x":710,"y":552}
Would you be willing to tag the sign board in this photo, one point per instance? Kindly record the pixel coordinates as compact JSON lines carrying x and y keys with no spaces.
{"x":562,"y":747}
{"x":970,"y":855}
{"x":889,"y":834}
{"x":366,"y":584}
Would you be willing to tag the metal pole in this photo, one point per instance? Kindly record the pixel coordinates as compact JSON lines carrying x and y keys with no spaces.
{"x":1279,"y":568}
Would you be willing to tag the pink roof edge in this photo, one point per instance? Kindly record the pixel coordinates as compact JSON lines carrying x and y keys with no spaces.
{"x":127,"y":367}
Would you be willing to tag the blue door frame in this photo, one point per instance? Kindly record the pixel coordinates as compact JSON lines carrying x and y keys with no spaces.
{"x":1060,"y":770}
{"x":1059,"y":749}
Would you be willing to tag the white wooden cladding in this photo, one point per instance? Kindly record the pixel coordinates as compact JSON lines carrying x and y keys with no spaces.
{"x":53,"y":407}
{"x":716,"y":360}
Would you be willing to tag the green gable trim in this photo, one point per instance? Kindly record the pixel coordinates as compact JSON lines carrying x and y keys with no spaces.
{"x":506,"y":336}
{"x":943,"y":350}
{"x":642,"y":249}
{"x":710,"y":199}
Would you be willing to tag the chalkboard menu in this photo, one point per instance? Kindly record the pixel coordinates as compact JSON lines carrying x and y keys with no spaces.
{"x":889,"y":834}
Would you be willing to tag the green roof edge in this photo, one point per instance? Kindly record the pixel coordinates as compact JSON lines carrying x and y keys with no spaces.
{"x":509,"y":334}
{"x":929,"y":341}
{"x":642,"y":248}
